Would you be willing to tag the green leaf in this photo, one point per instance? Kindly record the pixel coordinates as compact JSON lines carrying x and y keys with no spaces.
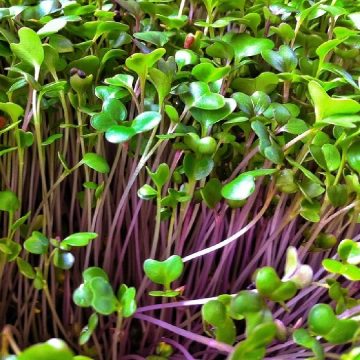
{"x":166,"y":293}
{"x":96,"y":162}
{"x":9,"y":202}
{"x":240,"y":188}
{"x":162,"y":83}
{"x":26,"y":138}
{"x":295,"y":126}
{"x":265,"y":82}
{"x":102,"y":121}
{"x":63,"y":259}
{"x":118,"y":134}
{"x":325,"y":48}
{"x":220,"y":49}
{"x":321,"y":319}
{"x":200,"y":96}
{"x":305,"y":171}
{"x":115,"y":109}
{"x":253,"y":105}
{"x":185,"y":57}
{"x":349,"y":251}
{"x":303,"y":338}
{"x":103,"y":301}
{"x":325,"y":106}
{"x":333,"y":266}
{"x":29,"y":49}
{"x":54,"y":349}
{"x":337,"y":194}
{"x":208,"y":118}
{"x":52,"y":27}
{"x":25,"y":268}
{"x":353,"y":156}
{"x":126,"y":297}
{"x":214,"y":312}
{"x":10,"y":248}
{"x":20,"y":221}
{"x":79,"y":239}
{"x":146,"y":121}
{"x":37,"y":243}
{"x":14,"y":110}
{"x":164,"y":272}
{"x":245,"y":45}
{"x":93,"y":272}
{"x":226,"y":332}
{"x":197,"y":168}
{"x":332,"y":156}
{"x":51,"y":139}
{"x":211,"y":192}
{"x":284,"y":60}
{"x":82,"y":296}
{"x":157,"y":38}
{"x":207,"y":72}
{"x":161,"y":176}
{"x":140,"y":63}
{"x":121,"y":80}
{"x":147,"y":192}
{"x":87,"y":331}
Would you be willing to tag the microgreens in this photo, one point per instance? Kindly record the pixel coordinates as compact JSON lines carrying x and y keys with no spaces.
{"x":194,"y":160}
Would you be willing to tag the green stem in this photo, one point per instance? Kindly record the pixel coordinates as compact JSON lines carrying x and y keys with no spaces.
{"x":116,"y":335}
{"x":157,"y":224}
{"x":37,"y":122}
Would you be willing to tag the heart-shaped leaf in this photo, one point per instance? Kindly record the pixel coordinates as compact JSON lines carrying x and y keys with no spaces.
{"x":82,"y":296}
{"x":208,"y":118}
{"x":164,"y":272}
{"x":161,"y":176}
{"x":207,"y":72}
{"x":26,"y":138}
{"x":140,"y":63}
{"x":29,"y":49}
{"x":200,"y":96}
{"x":284,"y":60}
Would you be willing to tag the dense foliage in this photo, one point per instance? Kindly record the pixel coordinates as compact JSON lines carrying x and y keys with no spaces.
{"x":179,"y":179}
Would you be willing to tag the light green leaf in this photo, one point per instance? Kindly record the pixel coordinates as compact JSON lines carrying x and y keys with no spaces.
{"x":29,"y":49}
